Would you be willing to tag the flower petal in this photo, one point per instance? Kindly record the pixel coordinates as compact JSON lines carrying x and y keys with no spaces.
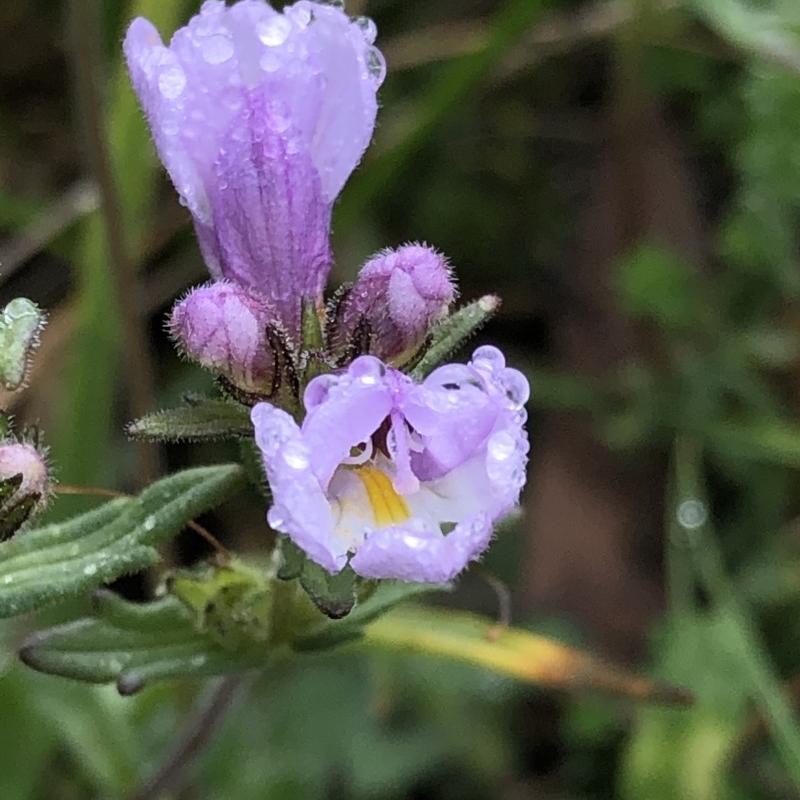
{"x":301,"y":508}
{"x":344,"y":411}
{"x":270,"y":220}
{"x":418,"y":551}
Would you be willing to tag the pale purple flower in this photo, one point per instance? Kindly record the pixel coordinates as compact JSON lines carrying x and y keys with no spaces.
{"x":404,"y":479}
{"x":398,"y":296}
{"x":259,"y":118}
{"x":223,"y":327}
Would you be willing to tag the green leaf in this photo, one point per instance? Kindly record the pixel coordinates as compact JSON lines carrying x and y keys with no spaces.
{"x":450,"y":334}
{"x":386,"y":595}
{"x":47,"y":563}
{"x":201,"y":419}
{"x":133,"y":645}
{"x":20,"y":324}
{"x":333,"y":595}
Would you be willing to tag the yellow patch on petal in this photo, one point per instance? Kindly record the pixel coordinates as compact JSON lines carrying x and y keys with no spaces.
{"x":388,"y":507}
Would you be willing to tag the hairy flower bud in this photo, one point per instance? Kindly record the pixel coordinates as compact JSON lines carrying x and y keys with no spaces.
{"x":24,"y":484}
{"x":398,"y":296}
{"x":224,"y":328}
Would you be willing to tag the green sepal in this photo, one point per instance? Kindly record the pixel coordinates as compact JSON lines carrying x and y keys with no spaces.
{"x":80,"y":554}
{"x":8,"y":486}
{"x":132,"y":645}
{"x":202,"y":418}
{"x":14,"y":515}
{"x":232,"y":602}
{"x":452,"y":332}
{"x":333,"y":595}
{"x":20,"y":324}
{"x":292,"y":559}
{"x":380,"y":597}
{"x":311,"y":325}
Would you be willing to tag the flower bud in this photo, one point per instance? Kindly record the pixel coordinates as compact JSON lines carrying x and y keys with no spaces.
{"x":24,"y":484}
{"x":223,"y":327}
{"x":398,"y":296}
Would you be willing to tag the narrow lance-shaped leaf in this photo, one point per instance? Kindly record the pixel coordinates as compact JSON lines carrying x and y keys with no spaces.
{"x":42,"y":565}
{"x":200,"y":419}
{"x":452,"y":332}
{"x":509,"y":651}
{"x":132,"y":645}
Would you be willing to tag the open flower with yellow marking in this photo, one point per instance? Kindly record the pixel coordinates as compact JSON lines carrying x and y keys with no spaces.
{"x":403,"y":480}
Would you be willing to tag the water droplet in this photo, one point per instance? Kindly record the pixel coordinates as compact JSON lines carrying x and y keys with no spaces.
{"x":489,"y":358}
{"x":295,"y":454}
{"x":270,"y":61}
{"x":516,"y":387}
{"x":171,"y":81}
{"x":170,"y":127}
{"x":454,"y":378}
{"x":318,"y":390}
{"x":302,"y":16}
{"x":367,"y":370}
{"x":692,"y":514}
{"x":90,"y":569}
{"x":368,"y":29}
{"x":501,"y":446}
{"x":275,"y":31}
{"x":276,"y":518}
{"x":216,"y":49}
{"x":198,"y":661}
{"x":149,"y":523}
{"x":8,"y":579}
{"x":376,"y":65}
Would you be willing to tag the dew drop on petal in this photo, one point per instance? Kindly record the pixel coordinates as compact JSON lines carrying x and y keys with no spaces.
{"x":270,"y":61}
{"x":276,"y":517}
{"x":171,"y":81}
{"x":216,"y":49}
{"x":367,"y":370}
{"x":368,"y":29}
{"x":150,"y":523}
{"x":275,"y":31}
{"x":90,"y":569}
{"x":489,"y":358}
{"x":317,"y":390}
{"x":295,"y":454}
{"x":376,"y":65}
{"x":302,"y":16}
{"x":516,"y":387}
{"x":501,"y":446}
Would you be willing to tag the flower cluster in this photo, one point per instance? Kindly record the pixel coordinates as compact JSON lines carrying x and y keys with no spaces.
{"x":260,"y":117}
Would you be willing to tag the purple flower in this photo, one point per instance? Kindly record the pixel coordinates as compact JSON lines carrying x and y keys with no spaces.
{"x":259,"y":118}
{"x":404,"y":479}
{"x":397,"y":298}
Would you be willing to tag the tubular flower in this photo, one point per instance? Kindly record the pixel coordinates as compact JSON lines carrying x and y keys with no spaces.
{"x":405,"y":480}
{"x":260,"y":117}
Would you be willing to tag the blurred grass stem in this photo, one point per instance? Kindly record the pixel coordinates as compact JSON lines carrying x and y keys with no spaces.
{"x":136,"y":359}
{"x":738,"y":627}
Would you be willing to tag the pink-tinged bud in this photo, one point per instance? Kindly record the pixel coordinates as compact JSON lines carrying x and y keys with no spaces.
{"x":223,"y":327}
{"x":398,"y":296}
{"x":24,"y":485}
